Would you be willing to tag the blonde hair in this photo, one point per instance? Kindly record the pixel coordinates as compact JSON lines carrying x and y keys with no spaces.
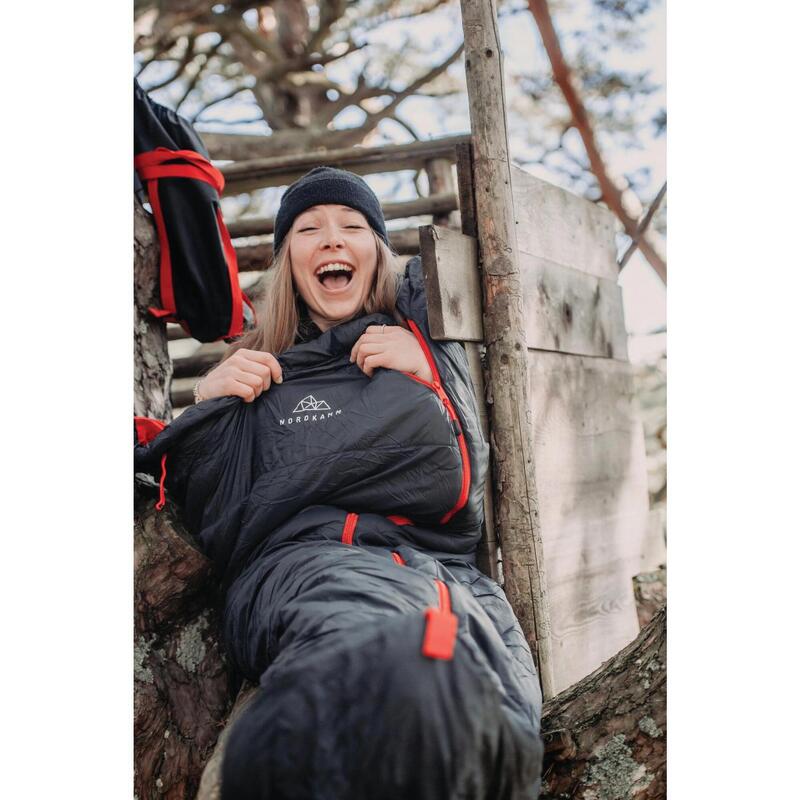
{"x":277,"y":311}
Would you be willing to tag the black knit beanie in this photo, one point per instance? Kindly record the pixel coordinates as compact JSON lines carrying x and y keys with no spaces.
{"x":326,"y":185}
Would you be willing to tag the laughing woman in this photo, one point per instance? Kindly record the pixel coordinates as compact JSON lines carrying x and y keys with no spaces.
{"x":333,"y":469}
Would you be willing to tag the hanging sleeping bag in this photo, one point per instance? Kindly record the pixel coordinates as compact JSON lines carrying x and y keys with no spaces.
{"x":199,"y":281}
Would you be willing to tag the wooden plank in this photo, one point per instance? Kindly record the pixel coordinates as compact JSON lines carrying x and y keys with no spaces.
{"x":437,"y":204}
{"x":466,"y":189}
{"x":452,"y":283}
{"x":561,"y":227}
{"x":569,"y":311}
{"x":565,"y":310}
{"x":591,"y":474}
{"x":440,"y":181}
{"x":591,"y":620}
{"x":245,"y":176}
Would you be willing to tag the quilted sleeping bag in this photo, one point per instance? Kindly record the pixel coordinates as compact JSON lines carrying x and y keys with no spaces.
{"x":342,"y":514}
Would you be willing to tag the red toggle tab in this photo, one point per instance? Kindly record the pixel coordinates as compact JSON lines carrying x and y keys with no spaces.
{"x":440,"y":634}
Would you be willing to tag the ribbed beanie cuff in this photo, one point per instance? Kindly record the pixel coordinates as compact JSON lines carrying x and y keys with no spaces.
{"x":326,"y":185}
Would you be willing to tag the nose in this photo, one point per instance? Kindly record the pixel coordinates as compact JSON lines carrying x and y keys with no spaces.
{"x":332,"y":238}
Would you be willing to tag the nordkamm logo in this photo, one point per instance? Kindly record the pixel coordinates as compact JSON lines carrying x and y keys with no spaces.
{"x":311,"y":403}
{"x":309,"y":409}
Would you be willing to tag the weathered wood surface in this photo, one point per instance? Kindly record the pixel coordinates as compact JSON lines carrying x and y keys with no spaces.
{"x":560,"y":227}
{"x":441,"y":182}
{"x":182,"y":691}
{"x":436,"y":205}
{"x":565,"y":310}
{"x":151,"y":363}
{"x":569,"y":311}
{"x":592,"y":482}
{"x":516,"y":512}
{"x":606,"y":736}
{"x":245,"y":176}
{"x":452,"y":284}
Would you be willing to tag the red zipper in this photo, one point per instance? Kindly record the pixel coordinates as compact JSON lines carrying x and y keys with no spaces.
{"x":441,"y":626}
{"x":437,"y":387}
{"x":350,"y":522}
{"x":397,"y":558}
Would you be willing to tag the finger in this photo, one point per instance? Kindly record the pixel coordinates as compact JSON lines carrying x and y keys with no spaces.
{"x":265,"y":359}
{"x":243,"y":390}
{"x":257,"y":382}
{"x":367,"y":350}
{"x":266,"y":373}
{"x":379,"y":329}
{"x":371,"y":363}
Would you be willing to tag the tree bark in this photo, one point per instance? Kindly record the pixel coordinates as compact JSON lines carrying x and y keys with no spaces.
{"x":606,"y":736}
{"x":152,"y":369}
{"x":182,"y":690}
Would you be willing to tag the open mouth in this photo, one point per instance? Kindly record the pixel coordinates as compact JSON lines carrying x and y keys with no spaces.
{"x":335,"y":277}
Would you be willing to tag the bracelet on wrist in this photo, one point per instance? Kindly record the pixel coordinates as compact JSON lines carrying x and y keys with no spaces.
{"x":196,"y":393}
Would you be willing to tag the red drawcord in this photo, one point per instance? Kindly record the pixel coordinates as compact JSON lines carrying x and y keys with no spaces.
{"x":161,"y":498}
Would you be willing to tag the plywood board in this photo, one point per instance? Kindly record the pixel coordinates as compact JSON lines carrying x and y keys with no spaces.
{"x":561,"y":227}
{"x":591,"y":480}
{"x":569,"y":311}
{"x":566,"y":310}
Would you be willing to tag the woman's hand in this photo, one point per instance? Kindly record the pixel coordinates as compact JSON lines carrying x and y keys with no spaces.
{"x":390,"y":347}
{"x":245,"y":374}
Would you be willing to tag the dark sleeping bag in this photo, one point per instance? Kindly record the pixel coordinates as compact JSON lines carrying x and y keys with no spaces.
{"x":342,"y":514}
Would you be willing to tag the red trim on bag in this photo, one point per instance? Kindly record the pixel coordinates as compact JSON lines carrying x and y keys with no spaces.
{"x":350,"y":522}
{"x":441,"y":627}
{"x":398,"y":559}
{"x":398,"y":519}
{"x":237,"y":315}
{"x":165,"y":270}
{"x":147,"y":428}
{"x":437,"y":387}
{"x":153,"y":165}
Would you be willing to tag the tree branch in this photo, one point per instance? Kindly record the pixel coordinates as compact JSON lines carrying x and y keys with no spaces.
{"x":643,"y":223}
{"x":563,"y":77}
{"x":206,"y":57}
{"x":188,"y":56}
{"x":228,"y":96}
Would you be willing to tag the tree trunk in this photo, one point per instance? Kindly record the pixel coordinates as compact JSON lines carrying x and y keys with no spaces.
{"x":606,"y":736}
{"x":152,"y":369}
{"x":182,"y":690}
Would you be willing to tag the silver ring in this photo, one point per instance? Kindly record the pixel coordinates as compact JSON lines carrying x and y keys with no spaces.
{"x":383,"y":328}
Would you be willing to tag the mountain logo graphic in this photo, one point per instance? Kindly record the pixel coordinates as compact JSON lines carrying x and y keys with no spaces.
{"x":310,"y":403}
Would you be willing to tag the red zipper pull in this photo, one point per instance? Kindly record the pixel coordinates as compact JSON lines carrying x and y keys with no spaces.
{"x":441,"y":626}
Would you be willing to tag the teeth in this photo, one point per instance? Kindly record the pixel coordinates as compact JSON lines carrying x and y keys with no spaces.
{"x":334,"y":268}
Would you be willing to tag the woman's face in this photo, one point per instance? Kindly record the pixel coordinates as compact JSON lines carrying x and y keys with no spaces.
{"x":334,"y":260}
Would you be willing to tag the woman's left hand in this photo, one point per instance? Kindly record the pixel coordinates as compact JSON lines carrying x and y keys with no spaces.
{"x":390,"y":347}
